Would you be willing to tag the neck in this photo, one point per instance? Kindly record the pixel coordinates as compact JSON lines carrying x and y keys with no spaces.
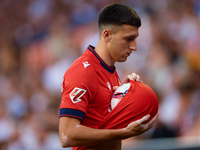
{"x":102,"y":51}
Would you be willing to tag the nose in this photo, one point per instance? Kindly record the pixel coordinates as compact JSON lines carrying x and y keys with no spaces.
{"x":133,"y":46}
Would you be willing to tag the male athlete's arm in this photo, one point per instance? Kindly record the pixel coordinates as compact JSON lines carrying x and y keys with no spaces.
{"x":72,"y":134}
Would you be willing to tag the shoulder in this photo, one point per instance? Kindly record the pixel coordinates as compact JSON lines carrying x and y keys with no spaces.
{"x":82,"y":68}
{"x":82,"y":74}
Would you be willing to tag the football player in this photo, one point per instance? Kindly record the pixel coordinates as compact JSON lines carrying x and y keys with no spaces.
{"x":90,"y":82}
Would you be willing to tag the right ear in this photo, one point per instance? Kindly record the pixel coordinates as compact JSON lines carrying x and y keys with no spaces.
{"x":107,"y":35}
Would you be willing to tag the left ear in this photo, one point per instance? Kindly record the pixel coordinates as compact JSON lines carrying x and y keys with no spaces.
{"x":107,"y":35}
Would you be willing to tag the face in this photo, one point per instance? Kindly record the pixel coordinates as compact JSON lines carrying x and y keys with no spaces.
{"x":122,"y":43}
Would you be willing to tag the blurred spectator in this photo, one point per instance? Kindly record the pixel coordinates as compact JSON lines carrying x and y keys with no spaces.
{"x":41,"y":38}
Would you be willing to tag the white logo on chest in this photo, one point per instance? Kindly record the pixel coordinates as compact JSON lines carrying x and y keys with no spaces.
{"x":108,"y":84}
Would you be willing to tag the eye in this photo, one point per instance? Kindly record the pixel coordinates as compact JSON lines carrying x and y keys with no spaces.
{"x":129,"y":39}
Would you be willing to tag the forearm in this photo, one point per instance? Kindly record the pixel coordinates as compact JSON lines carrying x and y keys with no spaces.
{"x":74,"y":134}
{"x":88,"y":136}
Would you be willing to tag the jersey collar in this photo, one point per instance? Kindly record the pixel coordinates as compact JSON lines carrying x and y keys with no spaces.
{"x":103,"y":64}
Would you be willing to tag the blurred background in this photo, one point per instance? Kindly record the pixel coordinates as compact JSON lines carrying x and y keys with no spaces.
{"x":39,"y":40}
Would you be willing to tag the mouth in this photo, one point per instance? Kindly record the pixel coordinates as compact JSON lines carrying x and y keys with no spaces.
{"x":128,"y":54}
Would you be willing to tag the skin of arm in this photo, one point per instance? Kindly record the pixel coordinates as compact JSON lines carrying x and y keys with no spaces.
{"x":72,"y":134}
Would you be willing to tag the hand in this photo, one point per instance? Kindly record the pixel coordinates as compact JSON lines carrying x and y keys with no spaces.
{"x":133,"y":77}
{"x":138,"y":127}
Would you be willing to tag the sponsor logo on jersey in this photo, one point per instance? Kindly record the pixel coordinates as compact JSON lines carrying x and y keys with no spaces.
{"x":76,"y":94}
{"x":85,"y":64}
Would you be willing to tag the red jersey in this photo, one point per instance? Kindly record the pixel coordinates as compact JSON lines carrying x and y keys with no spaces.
{"x":87,"y":89}
{"x":135,"y":100}
{"x":130,"y":102}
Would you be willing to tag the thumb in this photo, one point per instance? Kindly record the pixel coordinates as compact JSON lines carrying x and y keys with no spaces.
{"x":115,"y":88}
{"x":143,"y":119}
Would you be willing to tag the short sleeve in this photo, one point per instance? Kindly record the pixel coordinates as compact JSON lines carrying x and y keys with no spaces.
{"x":78,"y":88}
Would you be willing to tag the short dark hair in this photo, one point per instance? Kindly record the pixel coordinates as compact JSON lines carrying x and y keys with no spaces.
{"x":118,"y":14}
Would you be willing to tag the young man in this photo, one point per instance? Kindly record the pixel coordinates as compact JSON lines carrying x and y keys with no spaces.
{"x":89,"y":83}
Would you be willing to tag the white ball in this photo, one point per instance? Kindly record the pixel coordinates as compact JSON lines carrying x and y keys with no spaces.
{"x":119,"y":94}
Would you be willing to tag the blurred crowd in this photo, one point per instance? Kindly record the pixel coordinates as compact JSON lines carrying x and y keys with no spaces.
{"x":39,"y":40}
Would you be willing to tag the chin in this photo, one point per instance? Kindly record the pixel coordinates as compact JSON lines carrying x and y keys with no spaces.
{"x":122,"y":60}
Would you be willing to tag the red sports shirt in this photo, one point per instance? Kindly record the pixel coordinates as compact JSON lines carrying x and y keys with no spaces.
{"x":87,"y":89}
{"x":135,"y":101}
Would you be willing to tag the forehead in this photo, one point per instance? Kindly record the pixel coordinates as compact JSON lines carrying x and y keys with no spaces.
{"x":128,"y":30}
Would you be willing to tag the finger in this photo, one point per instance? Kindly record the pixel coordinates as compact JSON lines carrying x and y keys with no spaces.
{"x":130,"y":77}
{"x":137,"y":78}
{"x":153,"y":120}
{"x":115,"y":88}
{"x":134,"y":76}
{"x":143,"y":119}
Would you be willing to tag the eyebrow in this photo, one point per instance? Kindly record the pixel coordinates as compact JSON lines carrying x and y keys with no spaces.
{"x":131,"y":36}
